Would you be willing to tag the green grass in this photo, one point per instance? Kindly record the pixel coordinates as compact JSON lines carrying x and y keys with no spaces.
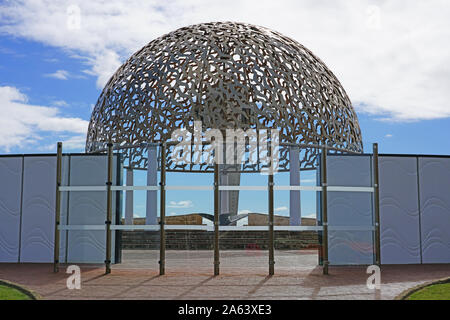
{"x":433,"y":292}
{"x":8,"y":293}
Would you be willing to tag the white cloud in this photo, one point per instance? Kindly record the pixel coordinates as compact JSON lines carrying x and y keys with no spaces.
{"x":388,"y":135}
{"x":51,"y":60}
{"x":181,"y":204}
{"x":22,"y":123}
{"x":281,"y":209}
{"x":392,"y":56}
{"x":75,"y":142}
{"x":60,"y":103}
{"x":63,"y":75}
{"x":59,"y":74}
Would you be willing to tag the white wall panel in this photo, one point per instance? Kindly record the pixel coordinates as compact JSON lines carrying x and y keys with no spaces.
{"x":10,"y":204}
{"x":88,"y":208}
{"x":399,"y":210}
{"x":434,"y":190}
{"x":38,"y":209}
{"x":350,"y":209}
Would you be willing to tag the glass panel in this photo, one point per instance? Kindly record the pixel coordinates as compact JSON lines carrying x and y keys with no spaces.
{"x":189,"y":247}
{"x":295,"y":250}
{"x":139,"y":248}
{"x":350,"y":247}
{"x":246,"y":251}
{"x":350,"y":214}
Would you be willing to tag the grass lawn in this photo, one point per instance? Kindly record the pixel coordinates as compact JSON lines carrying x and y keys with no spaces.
{"x":433,"y":292}
{"x":8,"y":293}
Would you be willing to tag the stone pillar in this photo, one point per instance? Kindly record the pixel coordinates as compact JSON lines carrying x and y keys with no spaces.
{"x":129,"y":198}
{"x":223,"y":178}
{"x":229,"y":200}
{"x":294,"y":197}
{"x":234,"y":179}
{"x":152,"y":180}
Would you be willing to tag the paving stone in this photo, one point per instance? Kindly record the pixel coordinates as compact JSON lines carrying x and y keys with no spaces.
{"x":243,"y":276}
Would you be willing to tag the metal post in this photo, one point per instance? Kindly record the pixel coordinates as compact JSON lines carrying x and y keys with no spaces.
{"x":323,"y":171}
{"x":216,"y":220}
{"x":162,"y":219}
{"x":376,"y":204}
{"x":57,"y":207}
{"x":109,"y":208}
{"x":271,"y":236}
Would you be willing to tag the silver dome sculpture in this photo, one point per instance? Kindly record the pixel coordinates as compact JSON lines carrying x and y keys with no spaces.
{"x":227,"y":75}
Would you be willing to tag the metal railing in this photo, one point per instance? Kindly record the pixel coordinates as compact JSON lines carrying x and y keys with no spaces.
{"x":324,"y":188}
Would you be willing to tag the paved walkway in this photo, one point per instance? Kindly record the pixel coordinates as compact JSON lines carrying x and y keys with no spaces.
{"x":189,"y":277}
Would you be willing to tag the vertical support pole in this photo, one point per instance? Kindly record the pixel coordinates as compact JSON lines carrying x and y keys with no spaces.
{"x":271,"y":232}
{"x":57,"y":208}
{"x":162,"y":219}
{"x":295,"y":216}
{"x":376,"y":204}
{"x":216,"y":220}
{"x":109,"y":208}
{"x":323,"y":171}
{"x":129,"y":198}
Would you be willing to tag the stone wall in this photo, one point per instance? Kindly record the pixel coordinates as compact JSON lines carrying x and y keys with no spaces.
{"x":254,"y":219}
{"x":229,"y":240}
{"x":260,"y":219}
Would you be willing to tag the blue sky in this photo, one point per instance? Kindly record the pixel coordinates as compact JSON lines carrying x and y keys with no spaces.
{"x":392,"y":57}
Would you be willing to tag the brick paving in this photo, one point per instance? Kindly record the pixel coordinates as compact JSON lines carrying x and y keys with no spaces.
{"x":189,"y":276}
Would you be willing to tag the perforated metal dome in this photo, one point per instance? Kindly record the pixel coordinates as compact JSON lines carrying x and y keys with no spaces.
{"x":228,"y":75}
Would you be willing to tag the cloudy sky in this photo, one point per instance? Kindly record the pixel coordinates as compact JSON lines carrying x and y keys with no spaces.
{"x":392,"y":57}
